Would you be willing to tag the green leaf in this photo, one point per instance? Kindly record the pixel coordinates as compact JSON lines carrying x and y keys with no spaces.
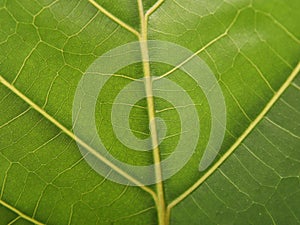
{"x":251,"y":46}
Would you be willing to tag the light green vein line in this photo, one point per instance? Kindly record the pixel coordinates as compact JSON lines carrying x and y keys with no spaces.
{"x":114,"y":18}
{"x":203,"y":48}
{"x":281,"y":128}
{"x":296,"y":86}
{"x":25,"y":61}
{"x":273,"y":100}
{"x":13,"y":119}
{"x":14,"y":220}
{"x":258,"y":71}
{"x":289,"y":33}
{"x":20,"y":213}
{"x":77,"y":139}
{"x":270,"y":215}
{"x":134,"y":214}
{"x":5,"y":179}
{"x":153,"y":8}
{"x":192,"y":56}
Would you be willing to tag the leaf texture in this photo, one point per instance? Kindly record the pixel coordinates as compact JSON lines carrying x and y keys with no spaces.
{"x":252,"y":47}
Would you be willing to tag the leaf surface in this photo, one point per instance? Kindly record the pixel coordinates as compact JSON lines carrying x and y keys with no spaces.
{"x":252,"y":47}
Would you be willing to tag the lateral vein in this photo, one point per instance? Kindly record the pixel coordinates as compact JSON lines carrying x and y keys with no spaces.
{"x":269,"y":105}
{"x":192,"y":56}
{"x":153,"y":8}
{"x":76,"y":138}
{"x":203,"y":48}
{"x":28,"y":218}
{"x":114,"y":18}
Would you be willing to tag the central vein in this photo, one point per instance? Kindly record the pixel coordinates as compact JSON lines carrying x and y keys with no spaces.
{"x":160,"y":202}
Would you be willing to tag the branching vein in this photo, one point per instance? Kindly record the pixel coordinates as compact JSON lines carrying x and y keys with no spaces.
{"x":28,"y":218}
{"x":74,"y":137}
{"x":153,"y":8}
{"x":114,"y":18}
{"x":261,"y":116}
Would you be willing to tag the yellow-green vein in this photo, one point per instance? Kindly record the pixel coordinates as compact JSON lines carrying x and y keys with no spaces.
{"x":261,"y":115}
{"x":160,"y":203}
{"x":74,"y":137}
{"x":114,"y":18}
{"x":18,"y":212}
